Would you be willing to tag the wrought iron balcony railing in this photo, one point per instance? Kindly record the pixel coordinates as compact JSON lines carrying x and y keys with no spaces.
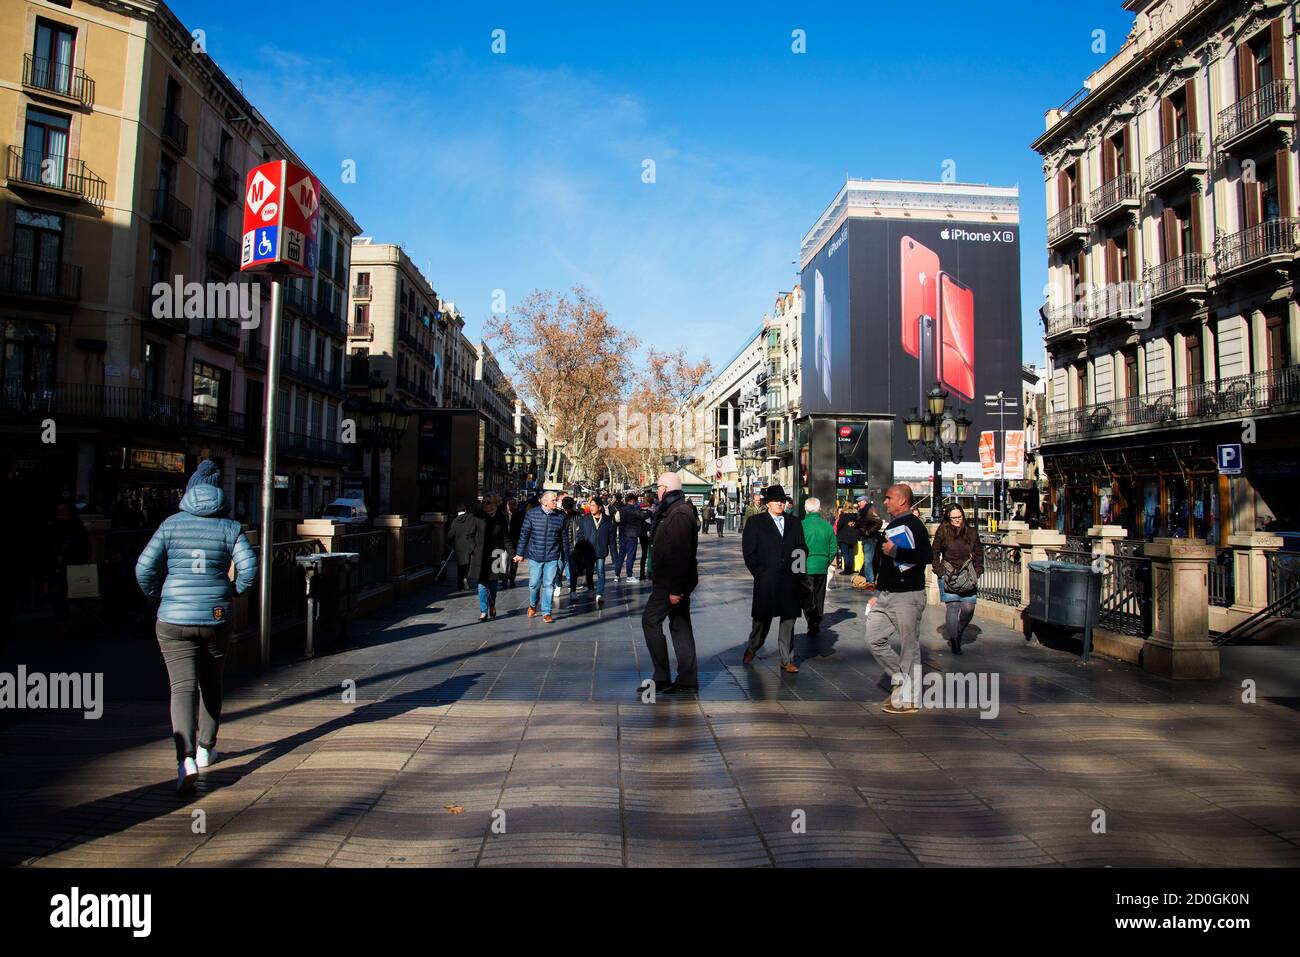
{"x":1183,"y":153}
{"x":1270,"y":100}
{"x":1068,"y":221}
{"x":225,"y":177}
{"x":1276,"y":237}
{"x":361,"y":291}
{"x":1113,"y":194}
{"x":1185,"y":272}
{"x":61,"y":79}
{"x":221,"y":330}
{"x":175,"y":131}
{"x":223,"y":247}
{"x":23,"y":277}
{"x":51,"y":171}
{"x":171,"y":214}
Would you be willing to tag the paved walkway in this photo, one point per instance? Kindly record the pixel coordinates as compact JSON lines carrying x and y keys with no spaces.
{"x":519,"y":742}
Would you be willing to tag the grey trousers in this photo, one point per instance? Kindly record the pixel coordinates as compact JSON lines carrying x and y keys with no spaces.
{"x":896,"y":613}
{"x":784,"y":637}
{"x":195,"y":656}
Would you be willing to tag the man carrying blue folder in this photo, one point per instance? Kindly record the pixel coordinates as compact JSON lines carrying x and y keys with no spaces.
{"x":896,"y":607}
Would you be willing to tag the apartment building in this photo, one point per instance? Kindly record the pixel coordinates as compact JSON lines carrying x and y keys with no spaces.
{"x":731,"y":447}
{"x":1171,"y":324}
{"x":459,"y":359}
{"x":123,"y":173}
{"x":781,"y":335}
{"x":495,"y":400}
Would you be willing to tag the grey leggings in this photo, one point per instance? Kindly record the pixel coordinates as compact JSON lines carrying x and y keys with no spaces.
{"x":195,"y":657}
{"x":958,"y":616}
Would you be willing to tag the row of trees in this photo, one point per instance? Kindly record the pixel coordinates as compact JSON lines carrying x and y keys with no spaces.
{"x":595,"y":388}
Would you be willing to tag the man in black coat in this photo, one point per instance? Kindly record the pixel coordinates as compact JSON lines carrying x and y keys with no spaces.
{"x":775,"y":554}
{"x":490,"y":555}
{"x":674,"y":575}
{"x":461,"y":537}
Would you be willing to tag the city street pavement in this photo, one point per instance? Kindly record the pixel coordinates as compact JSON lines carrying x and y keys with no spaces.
{"x":518,"y":742}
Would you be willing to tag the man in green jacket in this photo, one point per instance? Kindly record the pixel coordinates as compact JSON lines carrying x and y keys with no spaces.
{"x":820,"y":538}
{"x":755,"y":507}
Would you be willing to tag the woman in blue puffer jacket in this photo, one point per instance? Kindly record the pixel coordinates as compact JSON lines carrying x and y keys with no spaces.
{"x":190,"y":556}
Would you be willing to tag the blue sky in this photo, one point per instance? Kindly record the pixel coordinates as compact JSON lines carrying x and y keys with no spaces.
{"x":523,"y":170}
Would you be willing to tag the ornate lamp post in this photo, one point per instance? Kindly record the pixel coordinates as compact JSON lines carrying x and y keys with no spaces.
{"x":383,"y":423}
{"x":936,"y":436}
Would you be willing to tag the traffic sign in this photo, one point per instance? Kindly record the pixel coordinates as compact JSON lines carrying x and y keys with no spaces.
{"x":1229,"y":457}
{"x":281,"y":219}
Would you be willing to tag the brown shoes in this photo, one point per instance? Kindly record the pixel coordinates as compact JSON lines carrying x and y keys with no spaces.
{"x":532,"y":612}
{"x":790,"y":668}
{"x":749,"y":657}
{"x":548,"y":618}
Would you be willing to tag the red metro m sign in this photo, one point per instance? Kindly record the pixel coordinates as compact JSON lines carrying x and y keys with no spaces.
{"x":281,"y":219}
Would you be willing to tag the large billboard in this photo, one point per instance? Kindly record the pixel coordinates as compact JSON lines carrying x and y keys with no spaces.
{"x":894,"y":306}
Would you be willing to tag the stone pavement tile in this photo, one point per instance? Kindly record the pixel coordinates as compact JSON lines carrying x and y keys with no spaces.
{"x":842,"y":848}
{"x":792,"y":787}
{"x":888,"y":758}
{"x":701,"y":851}
{"x":683,"y":800}
{"x":1228,"y":851}
{"x":938,"y":795}
{"x":406,"y":852}
{"x":580,"y":792}
{"x":1043,"y":792}
{"x":552,"y":849}
{"x":994,"y":850}
{"x":423,"y":824}
{"x":275,"y":849}
{"x":1107,"y":850}
{"x":981,"y":758}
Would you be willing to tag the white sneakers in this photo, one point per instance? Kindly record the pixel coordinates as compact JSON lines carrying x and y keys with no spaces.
{"x":616,"y":579}
{"x":205,"y":758}
{"x":600,"y":599}
{"x":630,"y":579}
{"x":187,"y":775}
{"x":555,"y":593}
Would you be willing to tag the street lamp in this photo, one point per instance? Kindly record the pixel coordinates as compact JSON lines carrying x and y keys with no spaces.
{"x":937,"y":436}
{"x":386,"y":421}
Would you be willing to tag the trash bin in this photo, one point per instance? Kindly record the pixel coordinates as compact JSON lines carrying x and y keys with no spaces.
{"x":331,"y":586}
{"x":1067,"y":595}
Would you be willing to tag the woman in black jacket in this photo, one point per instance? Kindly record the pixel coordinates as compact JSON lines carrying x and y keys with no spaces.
{"x":490,"y":555}
{"x":957,"y":542}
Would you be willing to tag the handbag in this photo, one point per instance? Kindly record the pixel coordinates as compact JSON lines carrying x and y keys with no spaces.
{"x":963,"y":581}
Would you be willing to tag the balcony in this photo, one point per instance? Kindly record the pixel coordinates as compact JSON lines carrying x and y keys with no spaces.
{"x":1115,"y":197}
{"x":310,"y":373}
{"x":223,"y":248}
{"x":254,"y":351}
{"x":58,"y":80}
{"x":297,"y":298}
{"x":1268,"y":108}
{"x":221,"y":332}
{"x":361,"y":330}
{"x":1175,"y":163}
{"x":170,"y":215}
{"x":1068,"y":225}
{"x":1269,"y":243}
{"x":1184,"y":276}
{"x":175,"y":132}
{"x":209,"y":418}
{"x":1117,"y":301}
{"x":341,"y":274}
{"x":1266,"y":393}
{"x":22,"y":278}
{"x":49,"y":173}
{"x":361,"y":291}
{"x":172,"y":315}
{"x":1068,"y":319}
{"x":225,"y":178}
{"x":329,"y":318}
{"x":297,"y":445}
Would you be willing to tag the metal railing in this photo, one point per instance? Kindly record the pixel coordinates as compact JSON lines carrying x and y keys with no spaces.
{"x":361,"y":291}
{"x":254,"y":351}
{"x":329,"y":318}
{"x":1254,"y":108}
{"x":297,"y":297}
{"x":1117,"y":300}
{"x":225,"y":177}
{"x":1075,"y":99}
{"x":1275,"y":237}
{"x":223,"y":246}
{"x":52,"y":76}
{"x":417,"y":547}
{"x":372,"y":548}
{"x":170,"y":213}
{"x":1126,"y":596}
{"x":222,"y":330}
{"x":216,"y":418}
{"x":361,"y":330}
{"x":1069,"y":317}
{"x":175,"y":130}
{"x":52,"y":171}
{"x":21,"y":276}
{"x":94,"y":402}
{"x":1265,"y":392}
{"x":172,"y":318}
{"x":1002,"y":580}
{"x":1221,"y":579}
{"x":288,"y":583}
{"x":1066,"y":221}
{"x":309,"y":371}
{"x":1176,"y":156}
{"x":1283,"y":574}
{"x":311,"y":446}
{"x":1180,"y":273}
{"x":1112,"y":193}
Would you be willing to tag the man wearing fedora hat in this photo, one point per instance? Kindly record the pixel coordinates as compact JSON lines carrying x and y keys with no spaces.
{"x":776,"y":555}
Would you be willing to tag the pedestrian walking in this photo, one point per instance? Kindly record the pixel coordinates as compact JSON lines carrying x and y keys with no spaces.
{"x":720,"y":514}
{"x":819,"y":537}
{"x":847,"y":538}
{"x":755,"y":507}
{"x":958,"y":565}
{"x":188,"y":562}
{"x":674,"y":575}
{"x":648,"y":503}
{"x":540,"y":543}
{"x":514,"y":514}
{"x":461,"y":536}
{"x":491,"y":554}
{"x":629,"y":518}
{"x":571,"y":546}
{"x":869,"y":525}
{"x":776,"y":555}
{"x":706,"y":517}
{"x":598,"y":536}
{"x":896,"y":607}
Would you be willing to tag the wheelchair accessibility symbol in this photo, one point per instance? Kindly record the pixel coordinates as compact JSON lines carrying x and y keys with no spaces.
{"x":266,"y":243}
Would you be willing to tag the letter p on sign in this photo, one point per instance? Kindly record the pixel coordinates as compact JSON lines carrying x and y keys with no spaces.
{"x":1229,"y":459}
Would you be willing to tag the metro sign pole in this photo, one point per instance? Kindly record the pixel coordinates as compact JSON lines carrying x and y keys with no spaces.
{"x":1002,"y":403}
{"x":280,"y":238}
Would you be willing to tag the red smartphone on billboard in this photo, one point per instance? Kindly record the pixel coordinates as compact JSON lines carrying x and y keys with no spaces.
{"x":918,"y":290}
{"x":955,"y":356}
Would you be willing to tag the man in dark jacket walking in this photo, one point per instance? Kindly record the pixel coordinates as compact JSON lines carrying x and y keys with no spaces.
{"x":598,"y":532}
{"x":899,"y":601}
{"x":777,"y":557}
{"x":490,"y":557}
{"x":869,"y":526}
{"x":539,"y":542}
{"x":461,"y":537}
{"x":629,"y":534}
{"x":190,"y":556}
{"x":674,"y":575}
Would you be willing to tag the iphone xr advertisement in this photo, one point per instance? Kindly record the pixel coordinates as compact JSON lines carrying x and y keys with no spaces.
{"x":897,"y":306}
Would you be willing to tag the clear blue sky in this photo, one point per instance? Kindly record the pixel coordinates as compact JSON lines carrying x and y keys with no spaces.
{"x":524,"y":170}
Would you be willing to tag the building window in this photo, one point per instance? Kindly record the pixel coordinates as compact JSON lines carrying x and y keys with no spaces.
{"x":30,"y":351}
{"x":45,"y":148}
{"x":160,"y":264}
{"x":37,"y":246}
{"x":155,"y":366}
{"x":210,"y":392}
{"x":1195,"y":358}
{"x":1279,"y":349}
{"x":52,"y":57}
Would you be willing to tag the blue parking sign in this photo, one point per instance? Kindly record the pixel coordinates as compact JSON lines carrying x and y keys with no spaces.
{"x":1229,"y":457}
